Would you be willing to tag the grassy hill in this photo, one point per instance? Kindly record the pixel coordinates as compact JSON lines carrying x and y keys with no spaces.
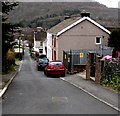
{"x":48,"y":14}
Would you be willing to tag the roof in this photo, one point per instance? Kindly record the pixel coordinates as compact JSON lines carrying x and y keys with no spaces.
{"x":63,"y":24}
{"x":69,"y":23}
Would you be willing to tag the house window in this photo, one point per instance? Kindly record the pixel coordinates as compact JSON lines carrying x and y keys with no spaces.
{"x":98,"y":40}
{"x":41,"y":43}
{"x":54,"y":42}
{"x":41,"y":51}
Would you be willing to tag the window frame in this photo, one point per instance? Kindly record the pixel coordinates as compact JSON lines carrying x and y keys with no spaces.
{"x":96,"y":40}
{"x":41,"y":43}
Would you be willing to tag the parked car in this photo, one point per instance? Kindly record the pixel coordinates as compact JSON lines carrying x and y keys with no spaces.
{"x":42,"y":56}
{"x":55,"y":67}
{"x":42,"y":63}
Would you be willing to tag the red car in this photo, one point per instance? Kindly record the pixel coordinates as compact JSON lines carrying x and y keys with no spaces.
{"x":55,"y":67}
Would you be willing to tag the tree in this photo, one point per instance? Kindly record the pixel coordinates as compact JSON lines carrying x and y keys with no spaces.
{"x":114,"y":40}
{"x":7,"y":31}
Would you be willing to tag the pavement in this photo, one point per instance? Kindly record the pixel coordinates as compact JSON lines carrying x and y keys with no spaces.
{"x":103,"y":94}
{"x":6,"y":79}
{"x":78,"y":80}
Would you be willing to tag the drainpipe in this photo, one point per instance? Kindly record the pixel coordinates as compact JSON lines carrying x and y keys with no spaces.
{"x":34,"y":40}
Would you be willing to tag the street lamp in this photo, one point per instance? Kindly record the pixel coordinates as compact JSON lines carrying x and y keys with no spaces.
{"x":22,"y":42}
{"x":34,"y":38}
{"x":19,"y":38}
{"x":19,"y":47}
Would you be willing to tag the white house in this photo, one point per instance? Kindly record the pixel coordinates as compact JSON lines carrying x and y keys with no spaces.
{"x":39,"y":36}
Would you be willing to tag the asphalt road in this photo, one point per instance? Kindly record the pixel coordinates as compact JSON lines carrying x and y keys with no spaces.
{"x":31,"y":92}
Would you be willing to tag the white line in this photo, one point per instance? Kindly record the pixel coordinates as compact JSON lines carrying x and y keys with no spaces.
{"x":20,"y":66}
{"x":6,"y":86}
{"x":93,"y":95}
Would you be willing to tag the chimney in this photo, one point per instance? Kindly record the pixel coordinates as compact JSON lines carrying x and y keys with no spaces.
{"x":85,"y":14}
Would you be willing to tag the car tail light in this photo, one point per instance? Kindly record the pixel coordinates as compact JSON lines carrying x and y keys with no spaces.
{"x":61,"y":67}
{"x":50,"y":67}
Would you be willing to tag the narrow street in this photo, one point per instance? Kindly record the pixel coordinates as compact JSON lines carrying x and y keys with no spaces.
{"x":31,"y":92}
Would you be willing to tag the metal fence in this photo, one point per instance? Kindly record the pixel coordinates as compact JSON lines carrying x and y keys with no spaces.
{"x":75,"y":57}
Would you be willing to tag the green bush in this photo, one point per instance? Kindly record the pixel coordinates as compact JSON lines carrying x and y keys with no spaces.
{"x":12,"y":68}
{"x":111,"y":74}
{"x":10,"y":55}
{"x":17,"y":59}
{"x":8,"y":61}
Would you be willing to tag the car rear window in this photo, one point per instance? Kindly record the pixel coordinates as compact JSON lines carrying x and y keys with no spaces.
{"x":55,"y":63}
{"x":45,"y":60}
{"x":42,"y":56}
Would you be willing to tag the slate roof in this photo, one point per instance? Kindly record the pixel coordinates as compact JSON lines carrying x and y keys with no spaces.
{"x":69,"y":23}
{"x":63,"y":24}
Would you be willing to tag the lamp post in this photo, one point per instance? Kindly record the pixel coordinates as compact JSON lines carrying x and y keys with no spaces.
{"x":19,"y":47}
{"x":34,"y":39}
{"x":22,"y":42}
{"x":19,"y":38}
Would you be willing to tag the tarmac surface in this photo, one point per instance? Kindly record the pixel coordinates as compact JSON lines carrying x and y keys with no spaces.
{"x":103,"y":94}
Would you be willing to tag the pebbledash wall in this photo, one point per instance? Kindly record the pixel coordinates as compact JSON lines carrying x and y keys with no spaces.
{"x":82,"y":36}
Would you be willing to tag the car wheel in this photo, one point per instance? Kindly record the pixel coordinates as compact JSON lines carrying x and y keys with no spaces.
{"x":44,"y":73}
{"x":47,"y":74}
{"x":38,"y":68}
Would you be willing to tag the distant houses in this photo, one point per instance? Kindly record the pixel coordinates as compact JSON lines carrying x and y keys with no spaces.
{"x":39,"y":35}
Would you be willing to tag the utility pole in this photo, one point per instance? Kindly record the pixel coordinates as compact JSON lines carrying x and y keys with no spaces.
{"x":22,"y":43}
{"x":19,"y":47}
{"x":19,"y":42}
{"x":34,"y":39}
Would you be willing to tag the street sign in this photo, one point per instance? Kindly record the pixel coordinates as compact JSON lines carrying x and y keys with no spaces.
{"x":81,"y":55}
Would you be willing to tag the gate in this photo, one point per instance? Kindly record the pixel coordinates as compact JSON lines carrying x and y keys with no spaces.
{"x":67,"y":60}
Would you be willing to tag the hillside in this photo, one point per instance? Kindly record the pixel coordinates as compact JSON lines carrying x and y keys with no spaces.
{"x":48,"y":14}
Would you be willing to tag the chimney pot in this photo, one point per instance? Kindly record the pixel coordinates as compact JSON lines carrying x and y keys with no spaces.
{"x":85,"y":14}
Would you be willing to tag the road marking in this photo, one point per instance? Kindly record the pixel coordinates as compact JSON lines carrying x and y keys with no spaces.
{"x":20,"y":65}
{"x":6,"y":86}
{"x":0,"y":100}
{"x":60,"y":99}
{"x":92,"y":95}
{"x":20,"y":93}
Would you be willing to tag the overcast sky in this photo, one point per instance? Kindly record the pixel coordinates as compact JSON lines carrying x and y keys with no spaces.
{"x":110,"y":3}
